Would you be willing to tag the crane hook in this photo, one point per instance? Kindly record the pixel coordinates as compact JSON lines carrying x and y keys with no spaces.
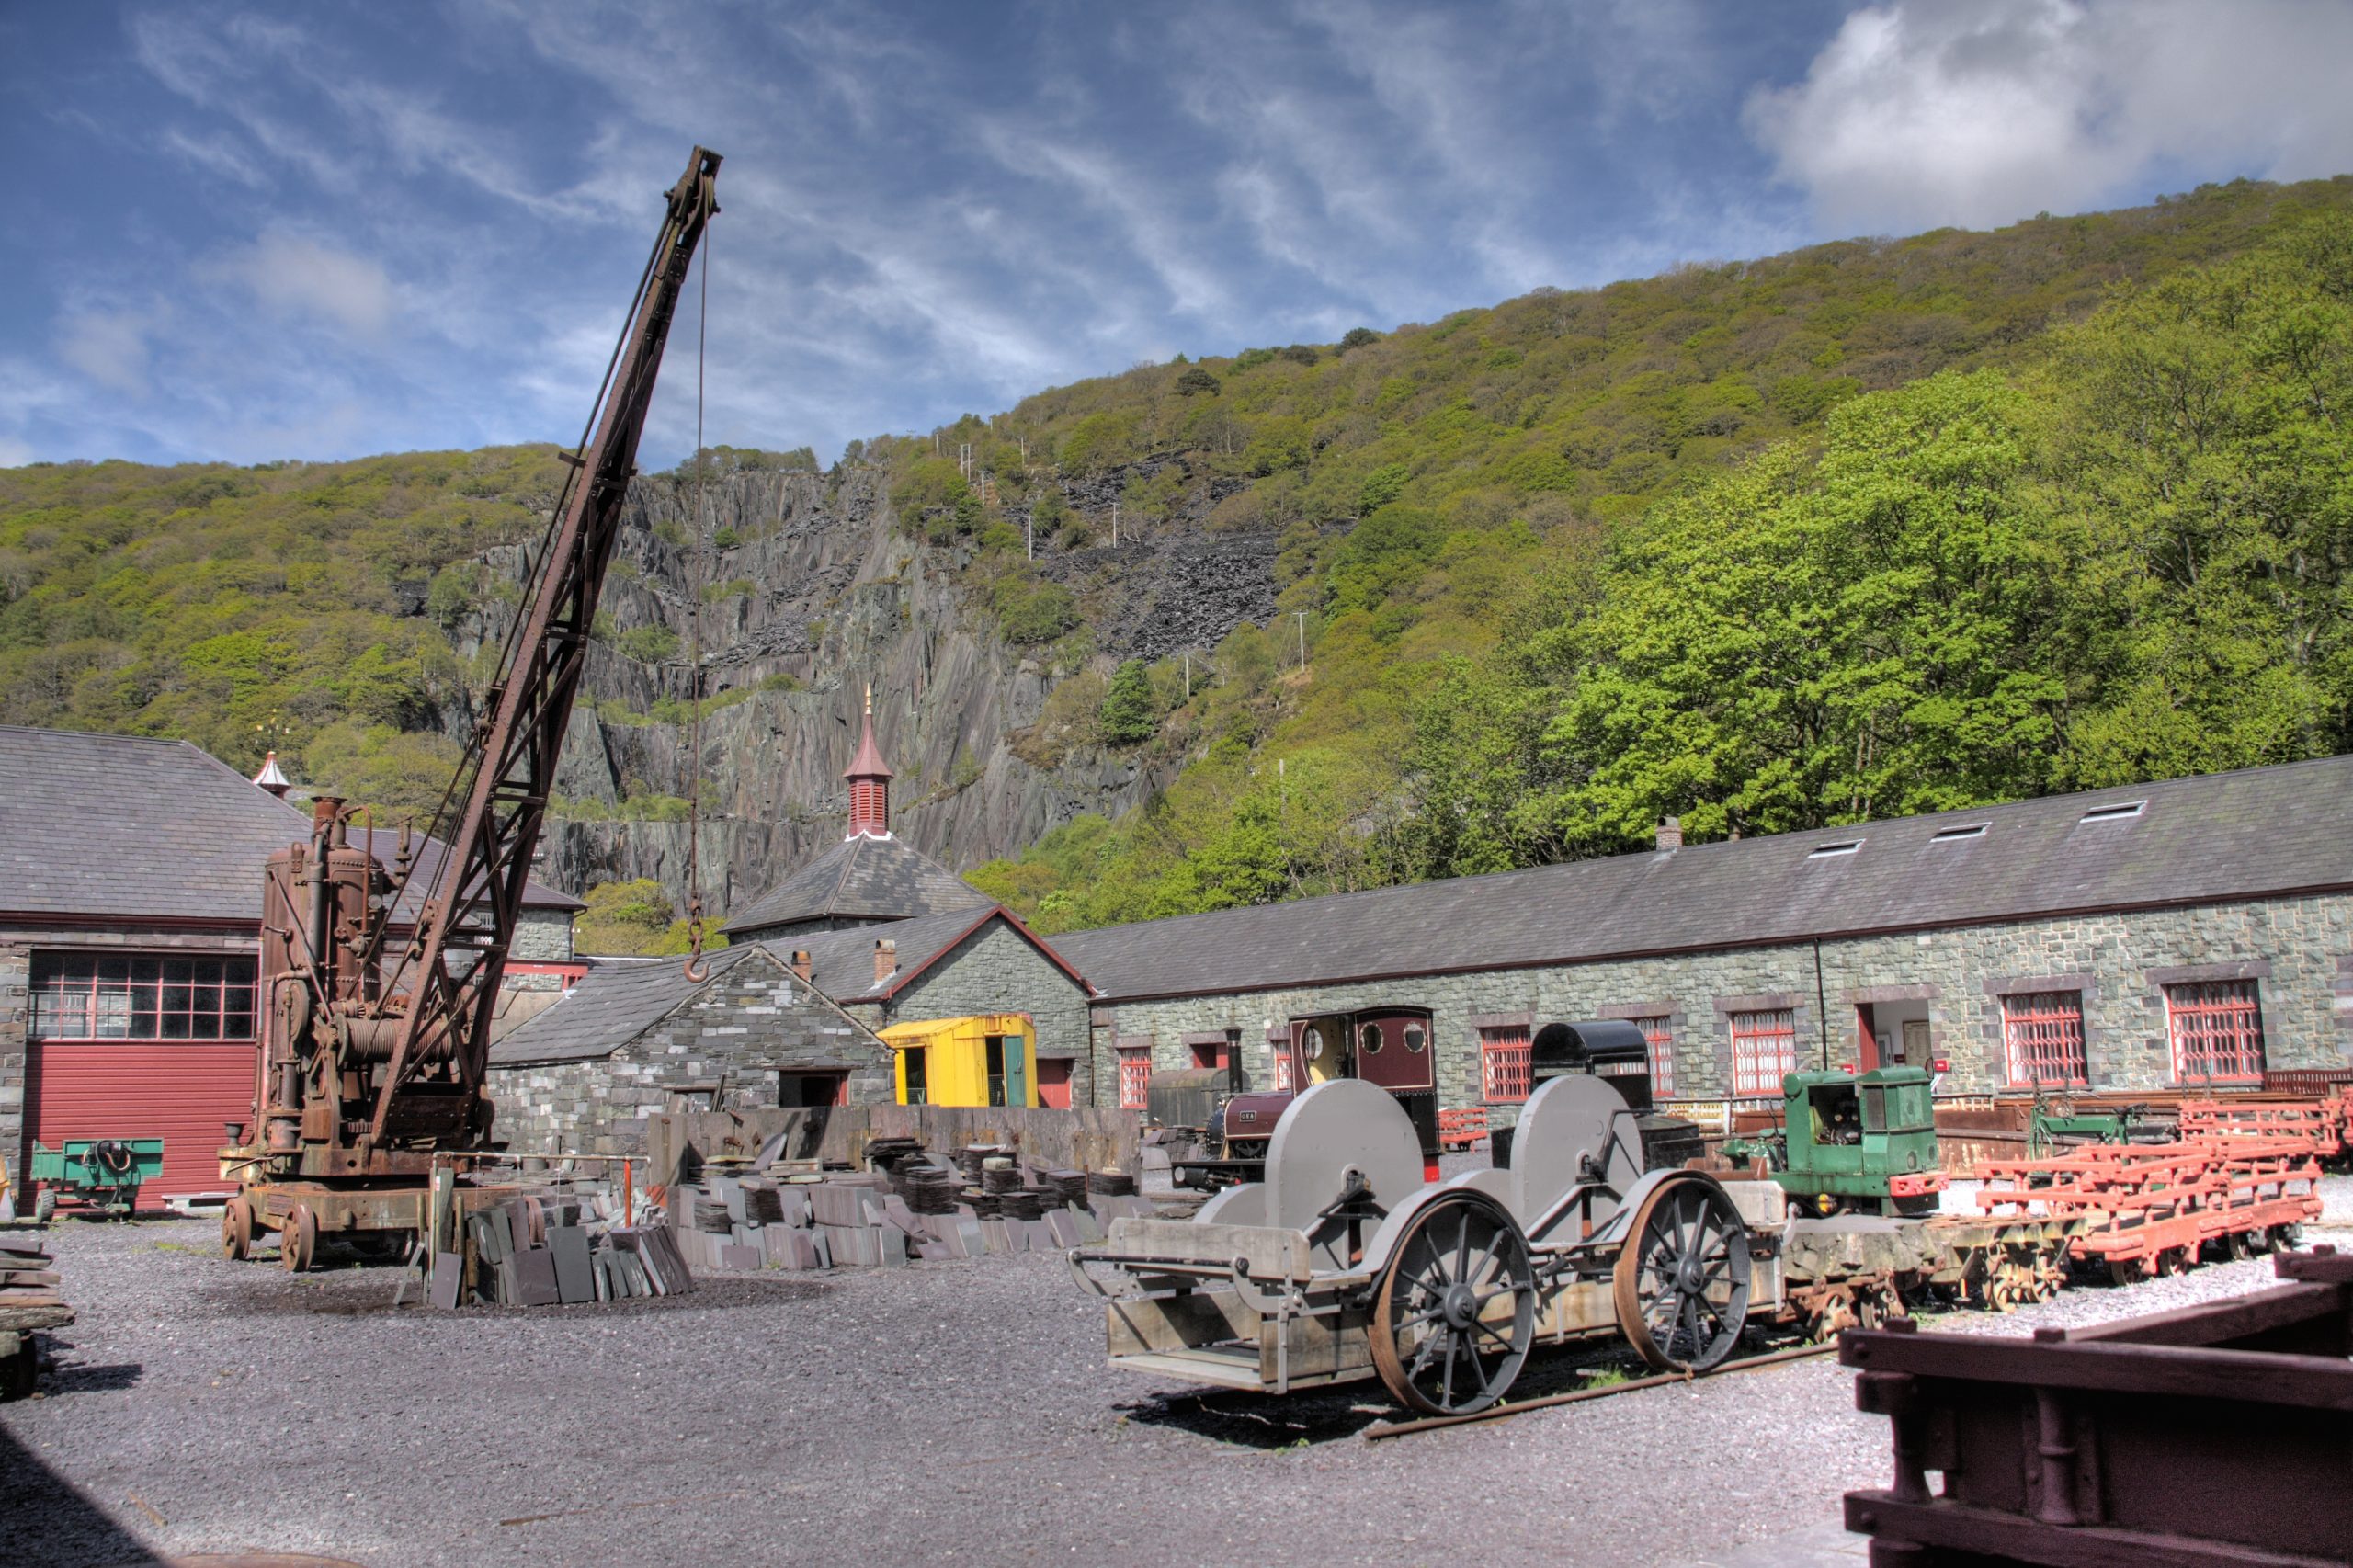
{"x":698,"y":968}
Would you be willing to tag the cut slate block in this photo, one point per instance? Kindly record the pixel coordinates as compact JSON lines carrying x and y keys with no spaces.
{"x":1041,"y":1236}
{"x":492,"y":1237}
{"x":934,"y":1252}
{"x":535,"y":1273}
{"x":821,"y":1250}
{"x":1016,"y":1235}
{"x":601,"y":1274}
{"x":1061,"y":1225}
{"x":731,"y":1192}
{"x":793,"y":1206}
{"x":976,"y":1242}
{"x":841,"y":1244}
{"x":509,"y":1283}
{"x":741,"y":1258}
{"x":834,"y":1204}
{"x":897,"y":1213}
{"x":449,"y":1274}
{"x":890,"y":1245}
{"x":574,"y":1279}
{"x":770,"y":1152}
{"x":1090,"y":1229}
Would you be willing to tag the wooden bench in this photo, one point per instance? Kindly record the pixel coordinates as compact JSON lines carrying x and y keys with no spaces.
{"x":1463,"y":1127}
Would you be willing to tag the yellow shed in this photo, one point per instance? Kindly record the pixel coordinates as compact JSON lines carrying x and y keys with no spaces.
{"x":990,"y":1059}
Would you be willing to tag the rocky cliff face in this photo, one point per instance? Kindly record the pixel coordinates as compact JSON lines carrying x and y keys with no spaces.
{"x":819,"y":596}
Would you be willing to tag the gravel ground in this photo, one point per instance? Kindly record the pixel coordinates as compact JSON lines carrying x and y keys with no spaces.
{"x":864,"y":1417}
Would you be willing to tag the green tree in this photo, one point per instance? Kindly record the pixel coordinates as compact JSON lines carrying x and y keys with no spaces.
{"x":1130,"y":715}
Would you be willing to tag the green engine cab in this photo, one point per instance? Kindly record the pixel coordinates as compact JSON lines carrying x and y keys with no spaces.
{"x":103,"y":1174}
{"x":1861,"y":1143}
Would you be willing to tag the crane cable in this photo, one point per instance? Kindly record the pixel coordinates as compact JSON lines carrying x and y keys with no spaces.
{"x":698,"y":970}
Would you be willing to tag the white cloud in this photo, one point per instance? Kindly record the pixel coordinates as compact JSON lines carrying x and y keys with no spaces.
{"x":1917,"y":114}
{"x":109,"y":347}
{"x":295,"y":277}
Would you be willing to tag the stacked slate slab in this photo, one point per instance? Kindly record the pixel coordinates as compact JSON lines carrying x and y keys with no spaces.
{"x":539,"y":1251}
{"x":903,"y":1208}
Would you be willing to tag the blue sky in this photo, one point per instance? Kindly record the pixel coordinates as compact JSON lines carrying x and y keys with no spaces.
{"x":326,"y":230}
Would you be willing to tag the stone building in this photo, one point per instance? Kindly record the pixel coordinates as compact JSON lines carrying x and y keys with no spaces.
{"x":869,"y":934}
{"x":2192,"y":933}
{"x":131,"y":896}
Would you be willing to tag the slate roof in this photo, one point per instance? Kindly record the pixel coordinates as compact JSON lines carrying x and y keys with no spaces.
{"x":615,"y":1002}
{"x":150,"y":829}
{"x":842,"y":962}
{"x":861,"y":878}
{"x":2258,"y":833}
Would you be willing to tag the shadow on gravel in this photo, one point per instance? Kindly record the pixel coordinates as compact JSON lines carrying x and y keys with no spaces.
{"x":1268,"y":1421}
{"x":268,"y":1292}
{"x":67,"y":1377}
{"x":39,"y":1508}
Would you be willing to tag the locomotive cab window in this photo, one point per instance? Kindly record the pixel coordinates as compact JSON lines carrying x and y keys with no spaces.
{"x":1416,"y":1038}
{"x":1371,"y":1040}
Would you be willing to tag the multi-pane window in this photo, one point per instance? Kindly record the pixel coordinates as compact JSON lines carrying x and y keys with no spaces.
{"x":2043,"y":1036}
{"x":1282,"y":1067}
{"x":1660,"y":1032}
{"x":2217,"y":1028}
{"x":1764,"y":1049}
{"x":1135,"y":1076}
{"x":132,"y":996}
{"x":1504,"y":1065}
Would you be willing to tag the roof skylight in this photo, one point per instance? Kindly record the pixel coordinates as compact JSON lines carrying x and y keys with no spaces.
{"x":2117,"y":812}
{"x":1823,"y":851}
{"x":1948,"y":834}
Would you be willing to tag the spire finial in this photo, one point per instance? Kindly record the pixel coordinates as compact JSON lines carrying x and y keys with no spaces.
{"x":869,"y":700}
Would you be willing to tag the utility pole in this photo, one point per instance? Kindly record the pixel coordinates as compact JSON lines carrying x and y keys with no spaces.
{"x":1029,"y":535}
{"x":1302,"y":640}
{"x":1189,"y":675}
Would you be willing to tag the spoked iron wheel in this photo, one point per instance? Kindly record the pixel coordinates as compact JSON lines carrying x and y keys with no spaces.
{"x":1682,"y":1281}
{"x":1455,"y":1310}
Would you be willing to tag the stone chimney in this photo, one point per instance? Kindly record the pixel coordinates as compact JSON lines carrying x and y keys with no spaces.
{"x":886,"y":959}
{"x":869,"y":783}
{"x":801,"y":964}
{"x":1670,"y":833}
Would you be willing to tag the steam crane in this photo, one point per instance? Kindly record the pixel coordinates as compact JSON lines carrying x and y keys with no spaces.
{"x":373,"y":1061}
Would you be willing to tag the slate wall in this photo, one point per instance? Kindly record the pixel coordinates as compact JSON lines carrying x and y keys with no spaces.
{"x":753,"y":1012}
{"x":2299,"y":951}
{"x":995,"y":970}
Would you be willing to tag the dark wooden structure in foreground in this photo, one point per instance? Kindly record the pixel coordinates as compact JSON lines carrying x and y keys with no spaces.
{"x":2212,"y":1435}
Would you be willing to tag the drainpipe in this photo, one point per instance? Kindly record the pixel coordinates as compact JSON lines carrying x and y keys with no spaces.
{"x":1821,"y":1005}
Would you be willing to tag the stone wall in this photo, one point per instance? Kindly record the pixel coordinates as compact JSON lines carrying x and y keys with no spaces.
{"x":2298,"y":952}
{"x":997,"y":970}
{"x":752,"y":1017}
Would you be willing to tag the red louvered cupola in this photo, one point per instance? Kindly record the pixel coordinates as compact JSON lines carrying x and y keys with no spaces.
{"x":869,"y":783}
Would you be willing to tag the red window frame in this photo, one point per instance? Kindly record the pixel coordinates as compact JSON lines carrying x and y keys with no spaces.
{"x":1135,"y":1076}
{"x":1660,"y":1032}
{"x":1282,"y":1065}
{"x":2042,"y":1039}
{"x":2216,"y":1028}
{"x":1506,"y":1069}
{"x":1208,"y":1054}
{"x":1764,"y":1050}
{"x":164,"y":997}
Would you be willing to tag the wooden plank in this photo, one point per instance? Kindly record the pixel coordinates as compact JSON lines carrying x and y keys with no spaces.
{"x":2218,"y":1322}
{"x":2160,"y":1371}
{"x":1958,"y":1526}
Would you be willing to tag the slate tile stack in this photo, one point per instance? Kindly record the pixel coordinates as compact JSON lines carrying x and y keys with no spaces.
{"x":28,"y":1301}
{"x":537,"y":1252}
{"x":905,"y":1209}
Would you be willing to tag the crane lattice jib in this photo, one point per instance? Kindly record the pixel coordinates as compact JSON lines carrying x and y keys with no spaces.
{"x":478,"y":896}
